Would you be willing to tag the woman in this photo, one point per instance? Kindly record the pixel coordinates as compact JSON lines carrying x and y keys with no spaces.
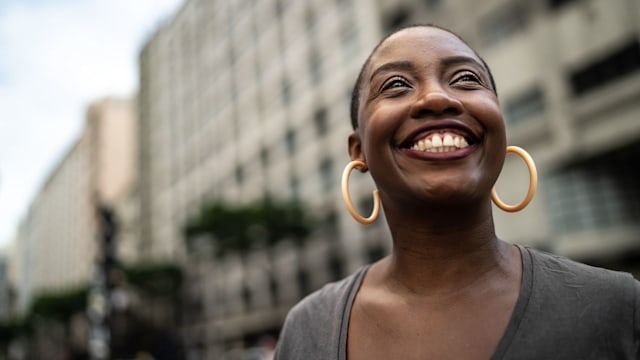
{"x":429,"y":129}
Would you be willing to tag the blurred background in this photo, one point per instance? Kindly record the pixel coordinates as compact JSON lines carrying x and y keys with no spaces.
{"x":183,"y":220}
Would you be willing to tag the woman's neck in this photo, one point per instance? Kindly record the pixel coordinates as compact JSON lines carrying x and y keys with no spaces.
{"x":445,"y":250}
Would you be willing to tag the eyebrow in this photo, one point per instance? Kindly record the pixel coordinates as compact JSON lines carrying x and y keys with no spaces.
{"x":459,"y":59}
{"x":395,"y":65}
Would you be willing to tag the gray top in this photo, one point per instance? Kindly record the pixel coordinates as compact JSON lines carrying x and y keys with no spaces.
{"x":565,"y":310}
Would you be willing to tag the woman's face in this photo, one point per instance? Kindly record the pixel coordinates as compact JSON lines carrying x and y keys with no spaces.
{"x":430,"y":127}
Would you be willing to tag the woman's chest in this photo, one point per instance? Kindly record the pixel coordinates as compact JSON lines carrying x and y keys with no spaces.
{"x":459,"y":330}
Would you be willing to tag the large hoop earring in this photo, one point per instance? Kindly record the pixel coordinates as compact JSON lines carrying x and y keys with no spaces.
{"x":533,"y":182}
{"x":347,"y":198}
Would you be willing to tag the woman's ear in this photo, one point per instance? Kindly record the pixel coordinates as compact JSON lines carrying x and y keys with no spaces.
{"x":355,"y":147}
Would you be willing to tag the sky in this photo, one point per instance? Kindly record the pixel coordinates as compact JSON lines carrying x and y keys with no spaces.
{"x":56,"y":57}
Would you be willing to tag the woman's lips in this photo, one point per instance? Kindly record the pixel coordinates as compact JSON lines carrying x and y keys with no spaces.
{"x":443,"y":153}
{"x":433,"y":134}
{"x":440,"y":142}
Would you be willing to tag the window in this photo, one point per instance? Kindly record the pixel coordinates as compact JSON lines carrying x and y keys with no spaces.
{"x":290,"y":141}
{"x":502,"y":24}
{"x":556,"y":4}
{"x":620,"y":62}
{"x":279,"y":9}
{"x":310,"y":19}
{"x":247,"y":296}
{"x":279,"y":12}
{"x":315,"y":66}
{"x":343,"y":3}
{"x":320,"y":121}
{"x":294,"y":184}
{"x":239,"y":174}
{"x":286,"y":91}
{"x":375,"y":253}
{"x":365,"y":205}
{"x":234,"y":87}
{"x":349,"y":38}
{"x":336,"y":265}
{"x":396,"y":20}
{"x":260,"y":99}
{"x":327,"y":179}
{"x":432,"y":4}
{"x":255,"y":32}
{"x":330,"y":225}
{"x":273,"y":288}
{"x":597,"y":193}
{"x":525,"y":106}
{"x":264,"y":157}
{"x":304,"y":281}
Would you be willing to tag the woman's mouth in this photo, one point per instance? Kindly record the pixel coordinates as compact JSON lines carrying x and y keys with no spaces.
{"x":440,"y":142}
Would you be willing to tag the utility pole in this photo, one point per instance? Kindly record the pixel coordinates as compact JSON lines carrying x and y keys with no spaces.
{"x":99,"y":302}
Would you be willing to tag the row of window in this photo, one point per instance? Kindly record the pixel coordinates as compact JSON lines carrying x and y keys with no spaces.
{"x":335,"y":267}
{"x":510,"y":19}
{"x":613,"y":66}
{"x":598,"y":193}
{"x":321,"y":125}
{"x":325,"y":171}
{"x":349,"y":42}
{"x":325,"y":167}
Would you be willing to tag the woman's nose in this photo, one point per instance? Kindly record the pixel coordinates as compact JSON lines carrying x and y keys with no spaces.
{"x":435,"y":101}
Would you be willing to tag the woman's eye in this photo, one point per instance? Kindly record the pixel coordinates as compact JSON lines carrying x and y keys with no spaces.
{"x":466,"y":77}
{"x":394,"y":83}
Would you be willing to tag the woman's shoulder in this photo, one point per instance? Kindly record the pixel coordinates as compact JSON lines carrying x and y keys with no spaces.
{"x":595,"y":312}
{"x":573,"y":283}
{"x":327,"y":300}
{"x":559,"y":267}
{"x":313,"y":327}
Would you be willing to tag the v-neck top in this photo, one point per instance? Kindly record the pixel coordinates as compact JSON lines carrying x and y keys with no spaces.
{"x":565,"y":310}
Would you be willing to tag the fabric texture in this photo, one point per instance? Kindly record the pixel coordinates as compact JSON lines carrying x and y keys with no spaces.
{"x":565,"y":310}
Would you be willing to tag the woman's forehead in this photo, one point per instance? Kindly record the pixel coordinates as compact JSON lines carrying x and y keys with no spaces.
{"x":425,"y":42}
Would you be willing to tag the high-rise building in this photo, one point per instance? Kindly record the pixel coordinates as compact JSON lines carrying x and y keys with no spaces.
{"x":241,"y":98}
{"x":58,"y":241}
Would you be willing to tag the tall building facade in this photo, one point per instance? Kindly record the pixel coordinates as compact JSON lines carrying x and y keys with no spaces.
{"x":227,"y":93}
{"x":241,"y":98}
{"x":58,"y":241}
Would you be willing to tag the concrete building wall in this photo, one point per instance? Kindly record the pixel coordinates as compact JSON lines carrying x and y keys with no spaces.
{"x":58,"y":241}
{"x":17,"y":269}
{"x":114,"y":122}
{"x":60,"y":225}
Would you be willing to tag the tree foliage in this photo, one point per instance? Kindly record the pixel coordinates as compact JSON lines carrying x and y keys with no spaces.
{"x":155,"y":279}
{"x":240,"y":228}
{"x":59,"y":305}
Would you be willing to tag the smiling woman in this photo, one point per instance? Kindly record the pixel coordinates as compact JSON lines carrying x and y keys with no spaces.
{"x":429,"y":129}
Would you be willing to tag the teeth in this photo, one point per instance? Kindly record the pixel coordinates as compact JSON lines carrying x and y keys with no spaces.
{"x":447,"y":140}
{"x":441,"y":143}
{"x":436,"y":141}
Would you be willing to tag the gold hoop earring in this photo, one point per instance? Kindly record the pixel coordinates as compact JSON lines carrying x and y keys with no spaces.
{"x":347,"y":198}
{"x":533,"y":182}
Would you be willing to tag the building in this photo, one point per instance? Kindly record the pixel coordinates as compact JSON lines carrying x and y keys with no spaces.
{"x":57,"y":242}
{"x":5,"y":289}
{"x":241,"y":98}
